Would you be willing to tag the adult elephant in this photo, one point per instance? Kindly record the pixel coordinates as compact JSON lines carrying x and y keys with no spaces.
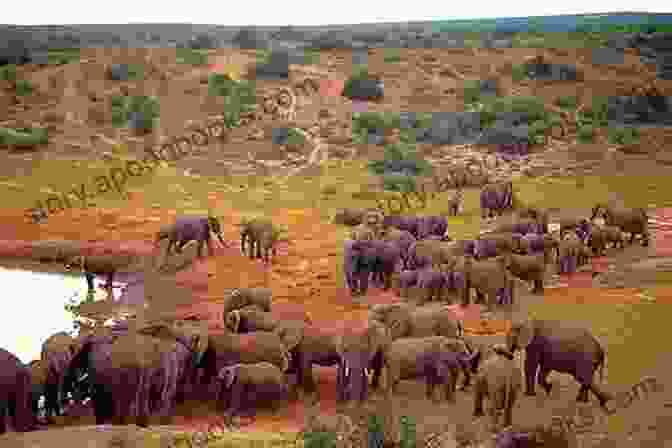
{"x":403,"y":239}
{"x":190,"y":228}
{"x":407,"y":321}
{"x":495,"y":198}
{"x":521,"y":226}
{"x":307,"y":345}
{"x":490,"y":278}
{"x":57,"y":352}
{"x":411,"y":358}
{"x":539,"y":215}
{"x":434,"y":253}
{"x":150,"y":367}
{"x":632,"y":220}
{"x":568,"y":253}
{"x":432,"y":226}
{"x":15,"y":393}
{"x":359,"y":350}
{"x":226,"y":348}
{"x":558,"y":346}
{"x":530,"y":268}
{"x":496,"y":244}
{"x":534,"y":243}
{"x":432,"y":283}
{"x":376,"y":259}
{"x":38,"y":380}
{"x":407,"y":223}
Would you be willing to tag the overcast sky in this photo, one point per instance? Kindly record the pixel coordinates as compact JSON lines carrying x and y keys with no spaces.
{"x":302,"y":12}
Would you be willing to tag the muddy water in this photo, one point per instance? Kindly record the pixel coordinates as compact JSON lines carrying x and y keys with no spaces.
{"x":34,"y":307}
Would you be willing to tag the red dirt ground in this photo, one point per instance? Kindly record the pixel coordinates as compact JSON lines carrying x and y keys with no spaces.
{"x":302,"y":277}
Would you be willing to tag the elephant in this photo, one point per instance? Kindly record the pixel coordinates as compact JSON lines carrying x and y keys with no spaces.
{"x":363,"y":232}
{"x":597,"y":240}
{"x":614,"y":235}
{"x":15,"y":393}
{"x":499,"y":379}
{"x":534,"y":243}
{"x":568,"y":253}
{"x":495,"y":198}
{"x":584,"y":255}
{"x":348,"y":216}
{"x":248,"y":385}
{"x":226,"y":348}
{"x":428,"y":357}
{"x":378,"y":259}
{"x":360,"y":349}
{"x":407,"y":279}
{"x":93,"y":358}
{"x":635,"y":221}
{"x":496,"y":244}
{"x":531,"y":268}
{"x":425,"y":253}
{"x":538,"y":215}
{"x":558,"y":346}
{"x":403,"y":239}
{"x":490,"y":278}
{"x":521,"y":226}
{"x":432,"y":226}
{"x":307,"y":345}
{"x":407,"y":223}
{"x":406,"y":321}
{"x":571,"y":224}
{"x":188,"y":228}
{"x":57,"y":352}
{"x":263,"y":235}
{"x":93,"y":265}
{"x":151,"y":367}
{"x":251,"y":318}
{"x":374,"y":219}
{"x":455,"y":203}
{"x":583,"y":230}
{"x":431,"y":282}
{"x":242,"y":297}
{"x":38,"y":380}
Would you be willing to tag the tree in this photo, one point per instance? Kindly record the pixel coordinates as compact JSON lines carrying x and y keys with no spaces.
{"x":399,"y":167}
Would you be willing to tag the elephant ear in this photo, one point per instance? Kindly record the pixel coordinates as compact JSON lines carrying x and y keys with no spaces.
{"x":290,"y":335}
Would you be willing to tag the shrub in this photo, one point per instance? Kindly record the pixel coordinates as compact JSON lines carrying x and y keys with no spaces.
{"x":8,"y":73}
{"x":597,"y":114}
{"x":471,"y":91}
{"x":518,"y":72}
{"x":191,"y":57}
{"x":361,"y":85}
{"x":142,"y":109}
{"x":537,"y":131}
{"x":400,"y":166}
{"x":23,"y":137}
{"x":311,"y":58}
{"x":23,"y":87}
{"x":375,"y":433}
{"x":392,"y":56}
{"x":586,"y":134}
{"x":624,"y":136}
{"x":408,"y":436}
{"x":239,"y":96}
{"x":567,"y":102}
{"x":320,"y":439}
{"x":295,"y":138}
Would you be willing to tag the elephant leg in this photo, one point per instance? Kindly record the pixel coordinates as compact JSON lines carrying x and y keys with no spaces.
{"x":508,"y":410}
{"x":180,"y":246}
{"x":171,"y":243}
{"x":3,"y":414}
{"x":451,"y":386}
{"x":532,"y":359}
{"x":89,"y":280}
{"x":377,"y":366}
{"x":479,"y":395}
{"x":199,"y":252}
{"x":542,"y":380}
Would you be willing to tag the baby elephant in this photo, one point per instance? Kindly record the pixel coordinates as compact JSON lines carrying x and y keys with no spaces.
{"x":500,"y":380}
{"x":262,"y":235}
{"x":252,"y":318}
{"x":245,"y":386}
{"x":188,"y":228}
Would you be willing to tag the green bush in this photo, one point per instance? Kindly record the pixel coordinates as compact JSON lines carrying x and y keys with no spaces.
{"x":408,"y":433}
{"x":239,"y":96}
{"x":624,"y":136}
{"x":191,"y":57}
{"x":586,"y":134}
{"x":471,"y":91}
{"x":123,"y":106}
{"x":24,"y":137}
{"x":320,"y":439}
{"x":359,"y":72}
{"x":567,"y":102}
{"x":531,"y":107}
{"x":23,"y":87}
{"x":136,"y":72}
{"x":596,"y":115}
{"x":537,"y":131}
{"x":8,"y":73}
{"x":518,"y":72}
{"x":375,"y":434}
{"x":311,"y":58}
{"x":392,"y":56}
{"x":399,"y":167}
{"x":295,"y":138}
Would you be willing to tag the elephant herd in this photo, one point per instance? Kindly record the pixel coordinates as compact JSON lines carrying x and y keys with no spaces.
{"x":417,"y":252}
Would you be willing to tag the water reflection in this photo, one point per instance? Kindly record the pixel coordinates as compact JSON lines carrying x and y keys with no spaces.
{"x":34,"y":307}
